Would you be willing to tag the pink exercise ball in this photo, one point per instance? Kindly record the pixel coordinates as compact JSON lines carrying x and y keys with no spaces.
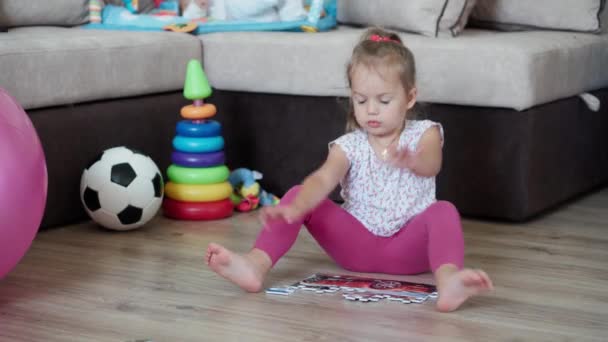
{"x":23,"y":182}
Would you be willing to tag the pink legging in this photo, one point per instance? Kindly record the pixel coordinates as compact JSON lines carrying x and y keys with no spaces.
{"x":429,"y":240}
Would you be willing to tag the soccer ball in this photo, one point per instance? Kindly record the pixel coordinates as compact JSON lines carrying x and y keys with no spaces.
{"x":121,"y":189}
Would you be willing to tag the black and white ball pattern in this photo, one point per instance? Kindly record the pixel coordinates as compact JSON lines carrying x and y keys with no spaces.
{"x":121,"y":189}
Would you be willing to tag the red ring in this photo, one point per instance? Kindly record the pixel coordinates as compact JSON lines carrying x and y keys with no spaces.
{"x":196,"y":211}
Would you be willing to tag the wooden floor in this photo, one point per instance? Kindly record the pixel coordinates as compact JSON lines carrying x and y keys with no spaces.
{"x":82,"y":283}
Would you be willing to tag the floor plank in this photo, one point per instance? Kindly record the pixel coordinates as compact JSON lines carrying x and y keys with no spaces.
{"x":83,"y":283}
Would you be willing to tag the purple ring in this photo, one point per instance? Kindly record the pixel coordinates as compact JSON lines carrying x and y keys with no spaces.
{"x":197,"y":159}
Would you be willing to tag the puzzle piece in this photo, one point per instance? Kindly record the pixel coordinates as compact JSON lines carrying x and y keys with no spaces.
{"x":319,"y":289}
{"x":362,"y":297}
{"x":375,"y":297}
{"x":283,"y":291}
{"x":350,"y":289}
{"x":406,"y":299}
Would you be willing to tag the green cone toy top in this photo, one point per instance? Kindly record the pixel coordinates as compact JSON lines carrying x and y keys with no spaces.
{"x":196,"y":86}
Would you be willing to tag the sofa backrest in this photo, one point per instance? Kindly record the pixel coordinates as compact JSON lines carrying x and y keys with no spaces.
{"x":448,"y":17}
{"x":570,"y":15}
{"x":43,"y":12}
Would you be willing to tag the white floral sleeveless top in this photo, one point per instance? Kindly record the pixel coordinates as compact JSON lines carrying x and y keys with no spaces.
{"x":382,"y":197}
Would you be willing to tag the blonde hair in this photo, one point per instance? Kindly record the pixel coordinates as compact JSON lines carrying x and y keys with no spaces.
{"x":380,"y":47}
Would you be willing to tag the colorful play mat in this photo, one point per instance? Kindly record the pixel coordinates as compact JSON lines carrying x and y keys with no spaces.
{"x":321,"y":17}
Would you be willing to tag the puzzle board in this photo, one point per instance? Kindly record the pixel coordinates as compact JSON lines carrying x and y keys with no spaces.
{"x":361,"y":289}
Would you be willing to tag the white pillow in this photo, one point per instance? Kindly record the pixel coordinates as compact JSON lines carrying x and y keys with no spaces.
{"x":604,"y":18}
{"x":571,"y":15}
{"x":455,"y":17}
{"x":429,"y":17}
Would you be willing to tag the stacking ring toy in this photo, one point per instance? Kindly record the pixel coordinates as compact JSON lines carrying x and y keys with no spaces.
{"x":193,"y":112}
{"x":206,"y":175}
{"x":197,"y":210}
{"x":198,"y":145}
{"x":197,"y":159}
{"x":203,"y":129}
{"x":198,"y":192}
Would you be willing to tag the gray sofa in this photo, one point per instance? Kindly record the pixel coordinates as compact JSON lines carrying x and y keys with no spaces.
{"x":519,"y":139}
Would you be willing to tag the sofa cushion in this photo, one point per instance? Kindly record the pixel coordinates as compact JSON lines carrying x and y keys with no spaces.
{"x":484,"y":68}
{"x":574,"y":15}
{"x":46,"y":66}
{"x":429,"y":17}
{"x":37,"y":12}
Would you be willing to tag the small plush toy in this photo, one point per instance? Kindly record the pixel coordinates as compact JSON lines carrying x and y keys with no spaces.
{"x":268,"y":199}
{"x":132,"y":5}
{"x":194,"y":9}
{"x":259,"y":10}
{"x":95,"y":7}
{"x":247,"y":192}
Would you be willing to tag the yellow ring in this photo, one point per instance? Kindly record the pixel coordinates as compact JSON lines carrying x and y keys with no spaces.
{"x":198,"y":192}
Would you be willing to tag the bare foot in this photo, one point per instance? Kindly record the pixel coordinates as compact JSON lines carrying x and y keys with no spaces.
{"x":458,"y":286}
{"x":246,"y":271}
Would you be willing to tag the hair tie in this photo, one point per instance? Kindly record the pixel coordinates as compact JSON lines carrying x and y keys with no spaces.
{"x":379,"y":38}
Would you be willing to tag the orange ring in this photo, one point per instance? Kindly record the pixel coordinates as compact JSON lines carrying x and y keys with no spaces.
{"x":192,"y":112}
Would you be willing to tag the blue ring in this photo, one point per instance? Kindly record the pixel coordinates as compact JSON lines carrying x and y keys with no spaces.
{"x":198,"y":145}
{"x":208,"y":128}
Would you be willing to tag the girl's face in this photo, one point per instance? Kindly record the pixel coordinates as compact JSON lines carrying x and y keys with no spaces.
{"x":379,"y":99}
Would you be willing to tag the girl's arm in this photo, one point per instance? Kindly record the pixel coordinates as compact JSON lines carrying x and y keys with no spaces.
{"x":315,"y":188}
{"x":426,"y":160}
{"x":429,"y":156}
{"x":319,"y":184}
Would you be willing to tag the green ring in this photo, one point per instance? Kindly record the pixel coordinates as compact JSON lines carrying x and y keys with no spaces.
{"x":198,"y":175}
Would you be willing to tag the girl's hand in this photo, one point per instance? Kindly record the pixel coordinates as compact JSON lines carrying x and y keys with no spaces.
{"x":403,"y":158}
{"x":287,"y":214}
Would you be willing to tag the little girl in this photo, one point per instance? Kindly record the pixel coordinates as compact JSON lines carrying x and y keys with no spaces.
{"x":390,"y":221}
